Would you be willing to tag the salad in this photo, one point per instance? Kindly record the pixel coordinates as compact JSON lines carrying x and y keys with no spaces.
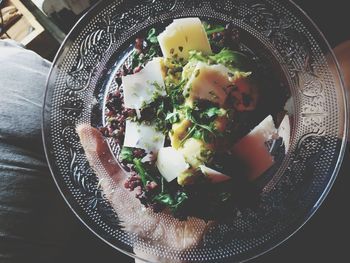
{"x":178,"y":116}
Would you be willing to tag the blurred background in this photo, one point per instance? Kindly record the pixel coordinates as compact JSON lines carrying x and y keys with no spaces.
{"x":41,"y":25}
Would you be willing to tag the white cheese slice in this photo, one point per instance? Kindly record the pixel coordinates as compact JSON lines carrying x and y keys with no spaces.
{"x":140,"y":88}
{"x":209,"y":82}
{"x":251,"y":150}
{"x":266,"y":129}
{"x":171,"y":163}
{"x":213,"y":175}
{"x":182,"y":36}
{"x":143,"y":136}
{"x":284,"y":132}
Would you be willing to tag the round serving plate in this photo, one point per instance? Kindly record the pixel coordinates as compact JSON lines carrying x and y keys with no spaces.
{"x":277,"y":32}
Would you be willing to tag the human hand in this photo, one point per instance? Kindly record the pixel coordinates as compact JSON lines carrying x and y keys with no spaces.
{"x":342,"y":53}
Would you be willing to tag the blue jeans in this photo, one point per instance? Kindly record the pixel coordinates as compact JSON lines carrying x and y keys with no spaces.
{"x":35,"y":223}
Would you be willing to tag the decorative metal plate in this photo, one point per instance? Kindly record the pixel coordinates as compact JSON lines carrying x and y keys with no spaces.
{"x":83,"y":72}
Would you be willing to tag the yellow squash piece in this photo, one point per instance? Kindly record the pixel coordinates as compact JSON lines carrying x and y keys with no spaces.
{"x":179,"y":132}
{"x":195,"y":152}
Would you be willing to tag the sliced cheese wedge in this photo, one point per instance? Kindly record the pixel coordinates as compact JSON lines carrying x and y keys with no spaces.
{"x":213,"y":175}
{"x":171,"y":163}
{"x":284,"y":132}
{"x":140,"y":88}
{"x":143,"y":136}
{"x":209,"y":82}
{"x":251,"y":150}
{"x":182,"y":36}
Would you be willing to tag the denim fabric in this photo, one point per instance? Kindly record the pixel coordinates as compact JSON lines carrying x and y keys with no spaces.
{"x":28,"y":199}
{"x":35,"y":223}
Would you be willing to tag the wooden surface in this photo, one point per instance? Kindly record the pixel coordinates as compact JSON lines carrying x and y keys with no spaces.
{"x":30,"y":33}
{"x":27,"y":28}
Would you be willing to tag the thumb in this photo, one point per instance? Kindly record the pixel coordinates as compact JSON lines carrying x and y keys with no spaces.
{"x":98,"y":154}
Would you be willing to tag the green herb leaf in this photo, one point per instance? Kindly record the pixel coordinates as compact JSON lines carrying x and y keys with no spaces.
{"x":173,"y":117}
{"x":174,"y":203}
{"x":189,"y":134}
{"x":175,"y":93}
{"x":152,"y":36}
{"x":180,"y":198}
{"x":210,"y":29}
{"x":198,"y":134}
{"x":198,"y":56}
{"x":165,"y":199}
{"x":232,"y":59}
{"x":235,"y":61}
{"x":126,"y":155}
{"x":201,"y":129}
{"x":213,"y":112}
{"x":142,"y":171}
{"x":135,"y":59}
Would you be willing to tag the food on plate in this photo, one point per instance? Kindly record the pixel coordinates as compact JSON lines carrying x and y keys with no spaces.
{"x":251,"y":150}
{"x":148,"y":225}
{"x":284,"y":132}
{"x":179,"y":119}
{"x":140,"y":88}
{"x":182,"y":36}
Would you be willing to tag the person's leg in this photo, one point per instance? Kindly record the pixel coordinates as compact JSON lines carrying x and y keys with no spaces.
{"x":35,"y":223}
{"x":29,"y":202}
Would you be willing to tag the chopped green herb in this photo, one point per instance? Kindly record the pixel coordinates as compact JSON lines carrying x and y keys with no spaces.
{"x":175,"y":93}
{"x":213,"y":112}
{"x":158,"y":89}
{"x":142,"y":171}
{"x":126,"y":155}
{"x":198,"y":56}
{"x":189,"y":134}
{"x":173,"y":117}
{"x":174,"y":203}
{"x":152,"y":36}
{"x":211,"y":29}
{"x":231,"y":59}
{"x":198,"y":134}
